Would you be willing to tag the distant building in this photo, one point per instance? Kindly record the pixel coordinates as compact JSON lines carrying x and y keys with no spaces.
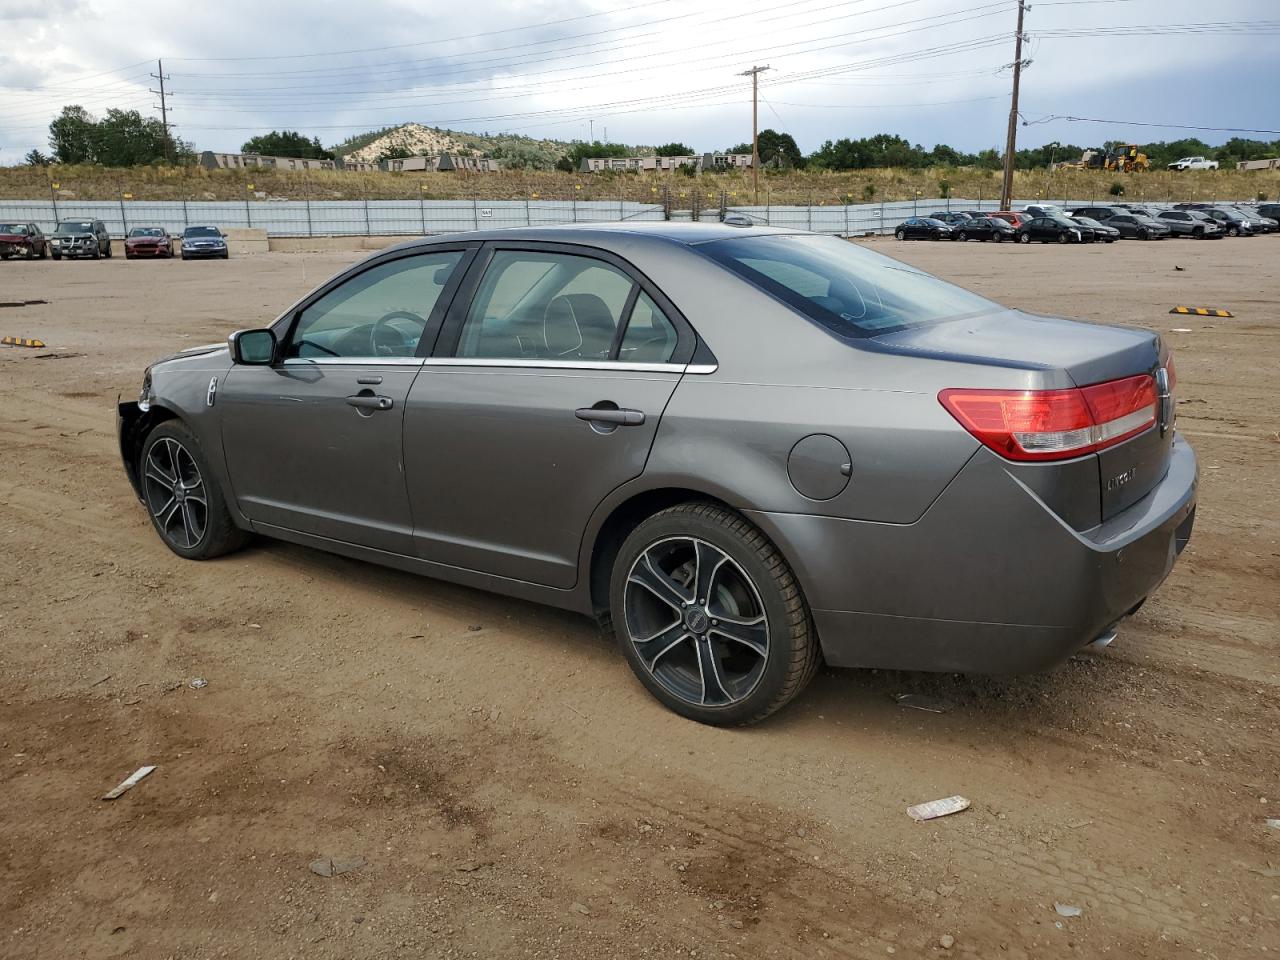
{"x":441,"y":163}
{"x":1272,"y":163}
{"x":242,"y":161}
{"x":654,"y":164}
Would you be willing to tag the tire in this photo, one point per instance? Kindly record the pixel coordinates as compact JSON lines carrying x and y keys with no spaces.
{"x":1111,"y":239}
{"x":185,"y":257}
{"x":997,"y":237}
{"x":128,"y":255}
{"x":57,"y":256}
{"x":900,"y":234}
{"x":1233,"y":232}
{"x":1024,"y":238}
{"x":107,"y":254}
{"x":1197,"y":233}
{"x":44,"y":252}
{"x":962,"y":236}
{"x":31,"y":252}
{"x":172,"y":451}
{"x":1143,"y":235}
{"x":97,"y":252}
{"x":1064,"y":238}
{"x":776,"y":652}
{"x":226,"y":256}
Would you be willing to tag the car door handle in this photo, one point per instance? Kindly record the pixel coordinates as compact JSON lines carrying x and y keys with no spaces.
{"x":618,"y":418}
{"x":368,"y":402}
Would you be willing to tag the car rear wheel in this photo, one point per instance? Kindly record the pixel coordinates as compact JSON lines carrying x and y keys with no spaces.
{"x":900,"y":234}
{"x":183,"y":499}
{"x":710,"y":616}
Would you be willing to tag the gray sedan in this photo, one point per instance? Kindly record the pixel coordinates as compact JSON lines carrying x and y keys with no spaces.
{"x":748,"y":450}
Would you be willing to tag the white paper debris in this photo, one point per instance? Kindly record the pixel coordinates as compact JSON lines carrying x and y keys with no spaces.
{"x":129,"y":783}
{"x":937,"y":808}
{"x":1067,"y":910}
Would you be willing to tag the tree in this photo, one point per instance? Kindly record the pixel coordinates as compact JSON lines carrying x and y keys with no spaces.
{"x":778,"y":150}
{"x":71,"y":136}
{"x":397,"y":152}
{"x":287,"y":143}
{"x":123,"y":138}
{"x":580,"y":150}
{"x":676,"y":149}
{"x":36,"y":159}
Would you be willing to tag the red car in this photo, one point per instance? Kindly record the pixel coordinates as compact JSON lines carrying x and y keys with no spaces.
{"x":148,"y":242}
{"x":22,"y":240}
{"x":1015,"y":217}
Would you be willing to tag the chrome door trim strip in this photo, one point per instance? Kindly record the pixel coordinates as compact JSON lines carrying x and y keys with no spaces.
{"x":522,"y":363}
{"x":356,"y":361}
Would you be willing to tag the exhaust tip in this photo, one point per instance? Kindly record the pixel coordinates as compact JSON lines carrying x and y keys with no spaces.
{"x":1102,"y":640}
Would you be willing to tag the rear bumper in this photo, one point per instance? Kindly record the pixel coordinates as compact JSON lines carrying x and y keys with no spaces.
{"x":989,"y":580}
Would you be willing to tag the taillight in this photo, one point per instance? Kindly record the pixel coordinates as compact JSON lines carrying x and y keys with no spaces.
{"x":1055,"y":424}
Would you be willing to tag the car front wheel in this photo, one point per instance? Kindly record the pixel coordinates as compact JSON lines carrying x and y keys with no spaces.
{"x":710,"y":616}
{"x":182,"y":497}
{"x":1024,"y":238}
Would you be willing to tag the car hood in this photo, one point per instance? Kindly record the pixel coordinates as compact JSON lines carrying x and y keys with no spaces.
{"x":73,"y":236}
{"x":144,"y":239}
{"x":13,"y":237}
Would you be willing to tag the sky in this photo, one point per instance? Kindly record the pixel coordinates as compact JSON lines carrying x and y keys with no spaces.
{"x":933,"y":71}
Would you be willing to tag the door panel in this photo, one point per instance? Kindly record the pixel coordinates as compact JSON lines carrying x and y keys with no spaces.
{"x":502,"y":473}
{"x":301,"y":456}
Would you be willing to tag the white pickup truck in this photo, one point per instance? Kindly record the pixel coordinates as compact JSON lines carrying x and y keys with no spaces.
{"x":1194,"y":163}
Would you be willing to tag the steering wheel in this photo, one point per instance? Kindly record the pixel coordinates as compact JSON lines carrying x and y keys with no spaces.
{"x":385,"y":340}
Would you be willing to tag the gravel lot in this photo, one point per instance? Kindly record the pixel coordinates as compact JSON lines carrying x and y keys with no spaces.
{"x":509,"y":787}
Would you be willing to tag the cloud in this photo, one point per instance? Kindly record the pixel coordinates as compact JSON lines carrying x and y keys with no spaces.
{"x":931,"y":70}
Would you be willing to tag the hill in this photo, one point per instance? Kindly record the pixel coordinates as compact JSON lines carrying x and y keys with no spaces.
{"x":516,"y":152}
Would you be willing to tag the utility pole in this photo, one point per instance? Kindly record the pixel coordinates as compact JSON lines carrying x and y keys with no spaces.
{"x":754,"y":74}
{"x":164,"y":108}
{"x":1011,"y":144}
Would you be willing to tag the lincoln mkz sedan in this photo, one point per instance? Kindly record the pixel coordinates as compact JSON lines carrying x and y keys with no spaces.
{"x":746,"y":449}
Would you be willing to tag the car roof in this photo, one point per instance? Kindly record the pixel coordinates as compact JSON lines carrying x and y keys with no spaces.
{"x":609,"y":234}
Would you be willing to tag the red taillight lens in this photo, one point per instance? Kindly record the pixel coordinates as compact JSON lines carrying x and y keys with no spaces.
{"x":1055,"y":424}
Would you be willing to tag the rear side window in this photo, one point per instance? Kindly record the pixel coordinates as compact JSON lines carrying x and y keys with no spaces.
{"x":849,"y":290}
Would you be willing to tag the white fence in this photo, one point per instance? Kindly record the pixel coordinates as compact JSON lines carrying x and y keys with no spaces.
{"x":303,"y":218}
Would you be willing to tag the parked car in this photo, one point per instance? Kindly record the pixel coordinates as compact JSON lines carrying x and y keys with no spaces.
{"x":1191,"y":223}
{"x":1054,"y":230}
{"x":1100,"y":230}
{"x":1101,"y":214}
{"x":985,"y":228}
{"x":652,"y":424}
{"x":1142,"y":211}
{"x":1135,"y":226}
{"x":1233,"y":224}
{"x":1015,"y":218}
{"x":1257,"y":222}
{"x":1044,"y":210}
{"x":80,"y":238}
{"x":954,"y":218}
{"x":1194,"y":163}
{"x":198,"y":242}
{"x":148,"y":242}
{"x":22,"y":240}
{"x":922,"y":228}
{"x":1270,"y":211}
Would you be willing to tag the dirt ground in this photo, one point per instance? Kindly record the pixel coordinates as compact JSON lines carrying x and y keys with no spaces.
{"x":511,"y":790}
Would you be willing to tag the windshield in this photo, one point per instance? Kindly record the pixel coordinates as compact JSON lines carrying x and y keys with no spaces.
{"x":849,"y":290}
{"x":19,"y":228}
{"x":75,"y":226}
{"x":201,"y":232}
{"x":1063,"y":221}
{"x":1088,"y":221}
{"x":146,"y":232}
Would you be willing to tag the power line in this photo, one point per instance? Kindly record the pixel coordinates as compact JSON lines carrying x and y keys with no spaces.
{"x":1139,"y":123}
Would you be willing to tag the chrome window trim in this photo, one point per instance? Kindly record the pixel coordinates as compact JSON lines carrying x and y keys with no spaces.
{"x":356,"y":361}
{"x":554,"y":364}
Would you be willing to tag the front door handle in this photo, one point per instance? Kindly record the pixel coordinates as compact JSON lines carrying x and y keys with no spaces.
{"x":612,"y":416}
{"x":369,"y":402}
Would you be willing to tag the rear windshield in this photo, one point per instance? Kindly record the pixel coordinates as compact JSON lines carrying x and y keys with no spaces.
{"x":846,"y":288}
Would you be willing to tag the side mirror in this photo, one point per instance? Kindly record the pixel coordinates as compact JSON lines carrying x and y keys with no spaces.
{"x":253,"y":347}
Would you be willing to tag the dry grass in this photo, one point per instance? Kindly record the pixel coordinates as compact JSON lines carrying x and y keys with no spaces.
{"x":796,"y":187}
